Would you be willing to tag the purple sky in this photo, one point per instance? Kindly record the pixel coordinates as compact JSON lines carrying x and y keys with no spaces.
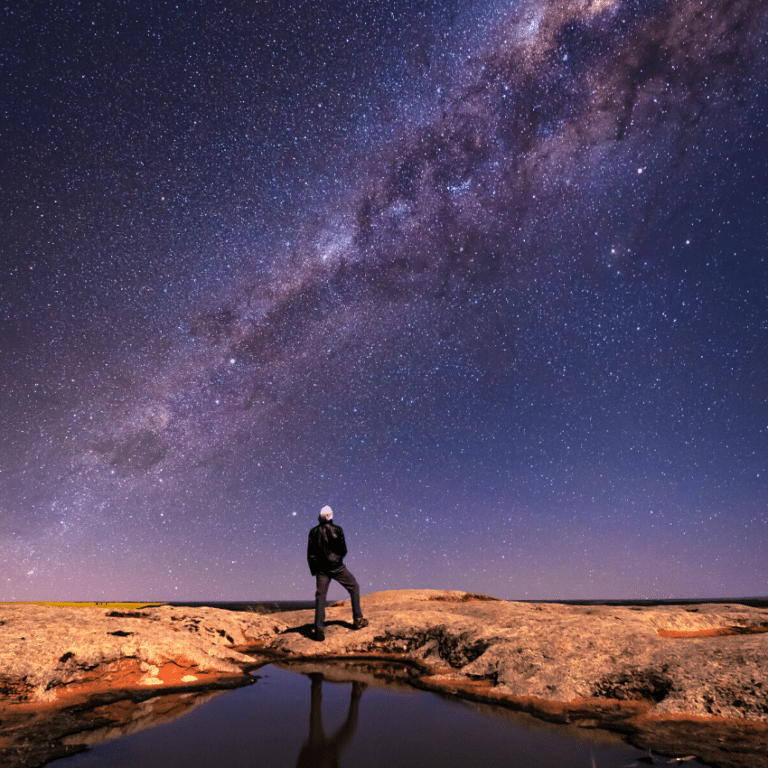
{"x":491,"y":279}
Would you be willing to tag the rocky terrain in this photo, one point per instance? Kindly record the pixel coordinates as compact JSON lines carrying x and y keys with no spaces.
{"x":679,"y":679}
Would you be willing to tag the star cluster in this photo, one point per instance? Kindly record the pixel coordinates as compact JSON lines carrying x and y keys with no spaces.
{"x":489,"y":278}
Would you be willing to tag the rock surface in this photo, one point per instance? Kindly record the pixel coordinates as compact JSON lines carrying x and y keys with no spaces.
{"x":692,"y":676}
{"x":705,"y":660}
{"x":47,"y":651}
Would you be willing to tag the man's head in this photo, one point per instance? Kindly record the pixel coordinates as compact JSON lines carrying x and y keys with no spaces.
{"x":326,"y":514}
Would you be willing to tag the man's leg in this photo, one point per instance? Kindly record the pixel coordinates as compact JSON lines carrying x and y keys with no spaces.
{"x":323,"y":580}
{"x":347,"y":580}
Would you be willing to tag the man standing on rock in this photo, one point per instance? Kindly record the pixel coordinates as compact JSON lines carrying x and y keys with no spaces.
{"x":325,"y":554}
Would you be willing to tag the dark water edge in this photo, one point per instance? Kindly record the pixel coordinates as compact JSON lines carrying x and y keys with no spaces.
{"x":280,"y":606}
{"x":355,"y":715}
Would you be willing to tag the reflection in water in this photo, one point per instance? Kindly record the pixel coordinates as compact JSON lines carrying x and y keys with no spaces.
{"x":127,"y":716}
{"x":265,"y":724}
{"x":318,"y":751}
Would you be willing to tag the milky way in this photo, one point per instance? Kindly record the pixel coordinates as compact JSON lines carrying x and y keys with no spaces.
{"x":490,"y":279}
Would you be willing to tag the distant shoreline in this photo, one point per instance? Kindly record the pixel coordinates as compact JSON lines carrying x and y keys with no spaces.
{"x":282,"y":606}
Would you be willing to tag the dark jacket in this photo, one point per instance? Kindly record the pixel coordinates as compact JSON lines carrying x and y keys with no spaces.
{"x":325,"y":548}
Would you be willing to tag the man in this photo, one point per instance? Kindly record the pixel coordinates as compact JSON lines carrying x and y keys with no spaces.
{"x":325,"y":554}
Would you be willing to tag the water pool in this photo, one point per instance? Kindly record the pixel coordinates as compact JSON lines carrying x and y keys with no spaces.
{"x":348,"y":715}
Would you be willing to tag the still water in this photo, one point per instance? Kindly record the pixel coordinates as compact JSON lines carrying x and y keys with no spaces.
{"x":349,"y":715}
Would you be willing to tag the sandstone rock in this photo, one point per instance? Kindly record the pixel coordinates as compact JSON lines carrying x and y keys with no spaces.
{"x":46,"y":651}
{"x":562,"y":653}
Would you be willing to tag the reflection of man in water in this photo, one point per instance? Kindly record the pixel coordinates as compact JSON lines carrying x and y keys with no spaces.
{"x":325,"y":554}
{"x":319,"y":752}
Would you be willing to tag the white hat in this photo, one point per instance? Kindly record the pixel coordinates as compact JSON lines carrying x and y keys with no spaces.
{"x":326,"y":513}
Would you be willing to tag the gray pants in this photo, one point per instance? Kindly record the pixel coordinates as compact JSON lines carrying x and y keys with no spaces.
{"x":347,"y":580}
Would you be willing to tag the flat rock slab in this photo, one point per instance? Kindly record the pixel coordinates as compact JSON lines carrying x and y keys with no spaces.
{"x":691,"y":677}
{"x":47,"y":651}
{"x":702,"y":660}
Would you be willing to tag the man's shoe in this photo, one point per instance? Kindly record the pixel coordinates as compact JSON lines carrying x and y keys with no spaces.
{"x":360,"y":623}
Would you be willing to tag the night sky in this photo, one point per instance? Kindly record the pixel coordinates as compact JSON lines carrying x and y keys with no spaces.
{"x":489,"y":278}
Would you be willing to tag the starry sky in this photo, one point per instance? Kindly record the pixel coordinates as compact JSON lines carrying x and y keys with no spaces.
{"x":489,"y":278}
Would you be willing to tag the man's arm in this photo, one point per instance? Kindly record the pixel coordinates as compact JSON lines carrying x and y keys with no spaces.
{"x":311,"y":554}
{"x":341,"y":547}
